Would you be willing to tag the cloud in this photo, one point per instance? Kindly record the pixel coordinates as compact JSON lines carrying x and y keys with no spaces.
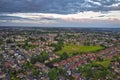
{"x":80,"y":15}
{"x":58,"y":6}
{"x":82,"y":19}
{"x":12,"y":18}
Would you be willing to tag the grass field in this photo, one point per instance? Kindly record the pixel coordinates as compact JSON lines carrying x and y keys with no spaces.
{"x":70,"y":49}
{"x":104,"y":63}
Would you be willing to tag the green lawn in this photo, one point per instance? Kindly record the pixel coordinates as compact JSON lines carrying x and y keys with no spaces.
{"x":105,"y":63}
{"x":78,"y":49}
{"x":101,"y":70}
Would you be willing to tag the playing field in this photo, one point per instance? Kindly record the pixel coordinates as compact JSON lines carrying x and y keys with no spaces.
{"x":79,"y":49}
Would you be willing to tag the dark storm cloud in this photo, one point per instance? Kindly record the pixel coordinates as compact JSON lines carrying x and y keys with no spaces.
{"x":57,"y":6}
{"x":12,"y":18}
{"x":45,"y":18}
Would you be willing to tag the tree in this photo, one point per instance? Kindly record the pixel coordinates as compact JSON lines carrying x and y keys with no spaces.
{"x":58,"y":46}
{"x":44,"y":55}
{"x":64,"y":56}
{"x":8,"y":41}
{"x":1,"y":41}
{"x":71,"y":78}
{"x":42,"y":39}
{"x":53,"y":74}
{"x":35,"y":72}
{"x":87,"y":43}
{"x":62,"y":71}
{"x":40,"y":58}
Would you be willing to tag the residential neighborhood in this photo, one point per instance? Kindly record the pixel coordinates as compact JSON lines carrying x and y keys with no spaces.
{"x":59,"y":54}
{"x":59,"y":39}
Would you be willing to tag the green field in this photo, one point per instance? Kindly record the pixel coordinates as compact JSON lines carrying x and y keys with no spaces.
{"x":104,"y":63}
{"x":70,"y":49}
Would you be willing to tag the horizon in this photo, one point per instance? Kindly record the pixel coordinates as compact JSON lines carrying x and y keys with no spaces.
{"x":45,"y":27}
{"x":55,"y":27}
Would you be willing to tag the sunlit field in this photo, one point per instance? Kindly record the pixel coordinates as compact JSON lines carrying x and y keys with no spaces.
{"x":70,"y":49}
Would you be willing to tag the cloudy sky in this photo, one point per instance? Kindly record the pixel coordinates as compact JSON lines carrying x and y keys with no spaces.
{"x":60,"y":13}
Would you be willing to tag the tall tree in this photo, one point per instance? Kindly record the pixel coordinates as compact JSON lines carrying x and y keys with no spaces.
{"x":53,"y":74}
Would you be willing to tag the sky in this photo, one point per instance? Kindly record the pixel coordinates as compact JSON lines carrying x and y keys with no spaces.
{"x":60,"y":13}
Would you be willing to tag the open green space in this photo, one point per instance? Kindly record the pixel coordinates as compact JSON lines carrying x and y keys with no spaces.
{"x":94,"y":71}
{"x":105,"y":63}
{"x":99,"y":69}
{"x":70,"y":49}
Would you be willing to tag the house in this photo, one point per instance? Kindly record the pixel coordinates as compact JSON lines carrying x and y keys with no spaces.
{"x":38,"y":65}
{"x":9,"y":64}
{"x":2,"y":76}
{"x":20,"y":75}
{"x":20,"y":39}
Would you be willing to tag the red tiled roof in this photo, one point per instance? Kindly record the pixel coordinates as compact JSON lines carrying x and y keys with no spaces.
{"x":8,"y":64}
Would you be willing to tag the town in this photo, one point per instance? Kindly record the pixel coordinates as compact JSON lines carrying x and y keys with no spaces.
{"x":59,"y":53}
